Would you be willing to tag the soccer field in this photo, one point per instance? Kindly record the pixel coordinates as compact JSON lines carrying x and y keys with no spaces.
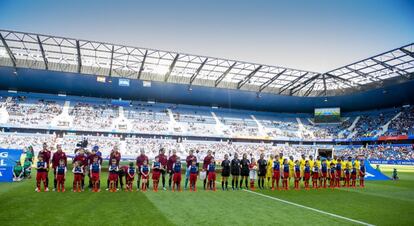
{"x":380,"y":203}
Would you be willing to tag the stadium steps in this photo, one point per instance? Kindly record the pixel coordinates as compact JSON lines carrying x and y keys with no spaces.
{"x":64,"y":119}
{"x":121,"y":123}
{"x":350,"y":128}
{"x":303,"y":130}
{"x":220,"y":127}
{"x":384,"y":128}
{"x":260,"y":127}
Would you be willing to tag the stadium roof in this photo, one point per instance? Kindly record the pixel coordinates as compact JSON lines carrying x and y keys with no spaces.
{"x":37,"y":51}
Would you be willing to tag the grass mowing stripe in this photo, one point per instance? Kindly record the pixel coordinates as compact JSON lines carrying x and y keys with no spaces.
{"x":310,"y":208}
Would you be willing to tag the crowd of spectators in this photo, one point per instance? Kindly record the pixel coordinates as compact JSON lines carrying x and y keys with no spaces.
{"x":157,"y":120}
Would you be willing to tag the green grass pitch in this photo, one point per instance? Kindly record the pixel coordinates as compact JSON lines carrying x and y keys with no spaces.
{"x":380,"y":203}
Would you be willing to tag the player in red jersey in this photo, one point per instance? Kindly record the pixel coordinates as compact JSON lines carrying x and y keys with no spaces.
{"x":171,"y":160}
{"x":145,"y":171}
{"x":206,"y":162}
{"x":46,"y":157}
{"x":77,"y":177}
{"x":95,"y":169}
{"x":156,"y":172}
{"x":83,"y":159}
{"x":41,"y":173}
{"x":57,"y":156}
{"x":191,"y":157}
{"x":162,"y":158}
{"x":61,"y":175}
{"x":139,"y":162}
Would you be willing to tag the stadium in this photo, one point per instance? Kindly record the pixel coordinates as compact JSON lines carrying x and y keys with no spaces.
{"x":100,"y":132}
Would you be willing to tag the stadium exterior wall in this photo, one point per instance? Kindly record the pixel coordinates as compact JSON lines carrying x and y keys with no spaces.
{"x":33,"y":80}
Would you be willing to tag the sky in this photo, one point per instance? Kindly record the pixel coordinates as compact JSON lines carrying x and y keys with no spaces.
{"x":317,"y":35}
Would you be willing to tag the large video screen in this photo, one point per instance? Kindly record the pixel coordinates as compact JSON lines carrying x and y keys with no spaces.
{"x":327,"y":115}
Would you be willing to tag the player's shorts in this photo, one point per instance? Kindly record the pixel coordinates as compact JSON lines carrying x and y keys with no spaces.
{"x":262,"y":172}
{"x":144,"y":177}
{"x":78,"y":176}
{"x":95,"y":176}
{"x":338,"y":174}
{"x":276,"y":174}
{"x":285,"y":175}
{"x":361,"y":175}
{"x":129,"y":178}
{"x":193,"y":176}
{"x":113,"y":176}
{"x":324,"y":174}
{"x":235,"y":172}
{"x":245,"y":172}
{"x":353,"y":176}
{"x":291,"y":173}
{"x":212,"y":176}
{"x":60,"y":177}
{"x":315,"y":175}
{"x":306,"y":176}
{"x":252,"y":175}
{"x":41,"y":176}
{"x":156,"y":175}
{"x":347,"y":176}
{"x":177,"y":177}
{"x":297,"y":175}
{"x":225,"y":173}
{"x":333,"y":176}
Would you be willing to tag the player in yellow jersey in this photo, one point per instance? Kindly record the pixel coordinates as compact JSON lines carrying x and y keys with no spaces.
{"x":302,"y":163}
{"x":291,"y":163}
{"x":269,"y":170}
{"x":357,"y":164}
{"x":281,"y":158}
{"x":311,"y":161}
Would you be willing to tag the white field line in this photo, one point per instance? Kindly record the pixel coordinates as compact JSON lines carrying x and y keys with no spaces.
{"x":310,"y":208}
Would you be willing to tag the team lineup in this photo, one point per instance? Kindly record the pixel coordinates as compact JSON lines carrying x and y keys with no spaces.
{"x":274,"y":173}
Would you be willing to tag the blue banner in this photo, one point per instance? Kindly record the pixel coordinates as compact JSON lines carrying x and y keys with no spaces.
{"x":373,"y":174}
{"x":393,"y":162}
{"x":8,"y":158}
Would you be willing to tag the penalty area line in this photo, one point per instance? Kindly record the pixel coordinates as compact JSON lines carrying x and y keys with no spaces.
{"x":310,"y":208}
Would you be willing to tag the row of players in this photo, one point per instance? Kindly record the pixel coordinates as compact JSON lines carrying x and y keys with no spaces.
{"x":321,"y":171}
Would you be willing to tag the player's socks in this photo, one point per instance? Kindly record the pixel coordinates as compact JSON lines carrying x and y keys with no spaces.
{"x":227,"y":184}
{"x":222,"y":185}
{"x":186,"y":183}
